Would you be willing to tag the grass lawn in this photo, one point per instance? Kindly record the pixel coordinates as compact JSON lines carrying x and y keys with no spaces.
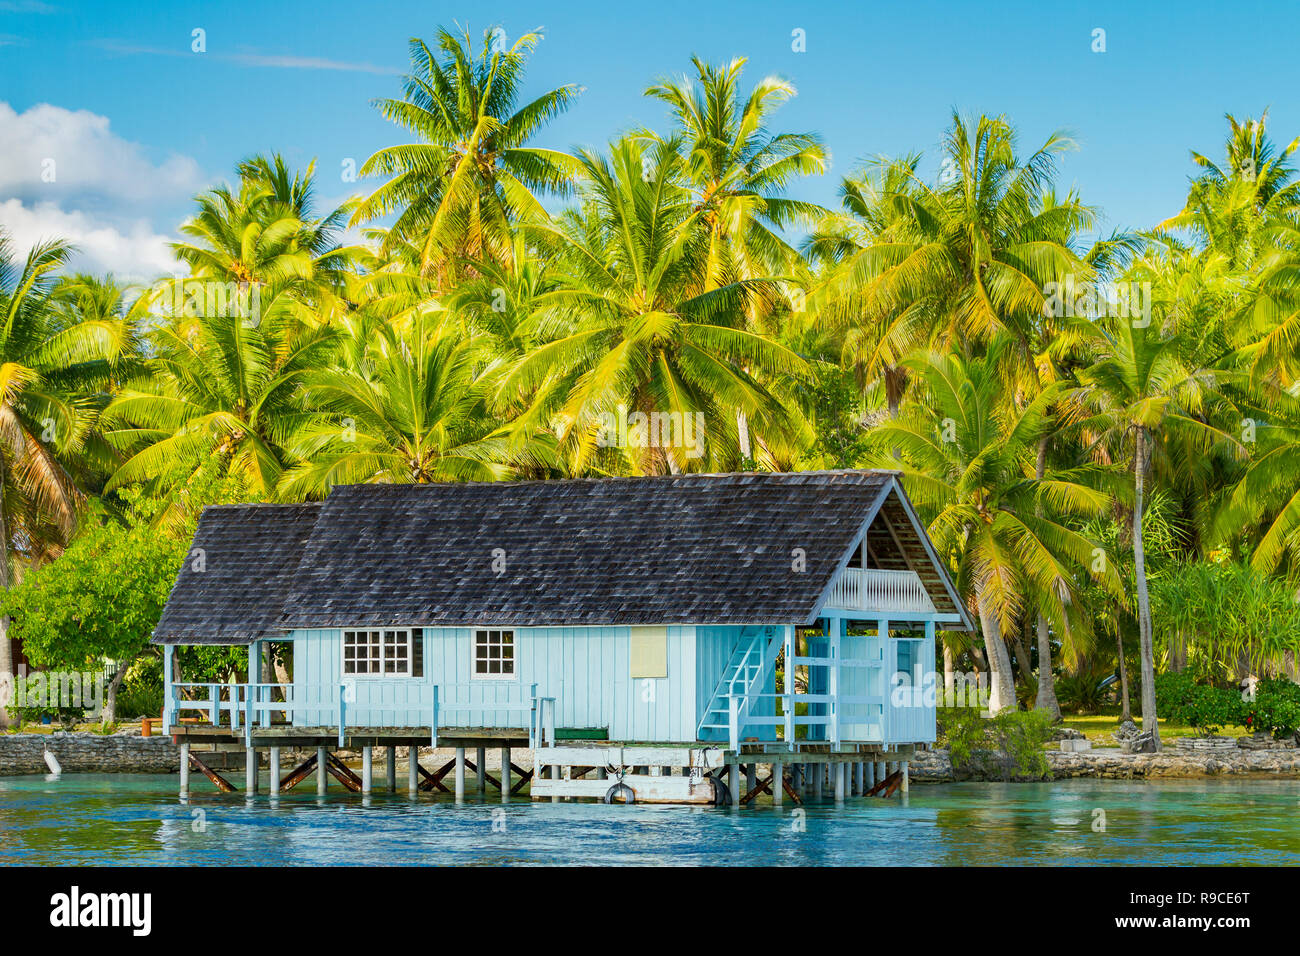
{"x":1099,"y":727}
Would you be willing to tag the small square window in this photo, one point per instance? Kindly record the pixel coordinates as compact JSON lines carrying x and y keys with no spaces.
{"x":494,"y":654}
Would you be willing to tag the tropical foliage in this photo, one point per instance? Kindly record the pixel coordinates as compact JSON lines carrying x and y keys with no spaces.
{"x":1102,"y":431}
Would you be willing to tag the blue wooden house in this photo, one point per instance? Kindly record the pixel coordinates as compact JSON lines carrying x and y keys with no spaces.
{"x":660,"y":630}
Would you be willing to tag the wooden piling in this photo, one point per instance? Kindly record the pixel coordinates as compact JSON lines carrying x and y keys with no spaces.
{"x":322,"y":771}
{"x":185,"y":767}
{"x":391,"y":769}
{"x":480,"y":769}
{"x":778,"y":778}
{"x":367,"y":770}
{"x":250,"y":770}
{"x":413,"y":771}
{"x":460,"y":774}
{"x":906,"y":778}
{"x":505,"y":774}
{"x":275,"y":770}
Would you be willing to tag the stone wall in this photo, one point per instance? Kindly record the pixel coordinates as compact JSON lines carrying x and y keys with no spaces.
{"x":126,"y":752}
{"x":934,"y":766}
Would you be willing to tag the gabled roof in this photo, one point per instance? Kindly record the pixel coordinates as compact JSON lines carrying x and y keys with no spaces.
{"x":753,"y":548}
{"x":232,"y":586}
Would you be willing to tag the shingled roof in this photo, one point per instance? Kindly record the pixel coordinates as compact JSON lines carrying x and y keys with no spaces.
{"x":232,"y":587}
{"x":691,"y":549}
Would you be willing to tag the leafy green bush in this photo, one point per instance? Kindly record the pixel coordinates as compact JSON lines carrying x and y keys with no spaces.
{"x":1208,"y":708}
{"x":1275,"y":709}
{"x":1079,"y":693}
{"x":1008,"y":746}
{"x":141,"y":693}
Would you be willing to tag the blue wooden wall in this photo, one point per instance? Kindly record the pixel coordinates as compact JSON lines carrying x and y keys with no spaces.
{"x":587,"y":670}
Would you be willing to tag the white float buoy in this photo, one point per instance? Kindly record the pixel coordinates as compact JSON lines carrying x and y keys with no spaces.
{"x":52,"y":762}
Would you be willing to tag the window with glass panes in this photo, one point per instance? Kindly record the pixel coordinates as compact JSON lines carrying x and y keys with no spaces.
{"x":494,"y":654}
{"x":384,"y":652}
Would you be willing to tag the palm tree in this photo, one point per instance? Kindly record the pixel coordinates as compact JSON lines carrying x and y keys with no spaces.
{"x":51,"y":363}
{"x":1142,"y":393}
{"x":950,"y":265}
{"x":399,"y":405}
{"x":967,"y":458}
{"x":458,"y":190}
{"x":639,"y":326}
{"x":222,"y":388}
{"x":737,"y":169}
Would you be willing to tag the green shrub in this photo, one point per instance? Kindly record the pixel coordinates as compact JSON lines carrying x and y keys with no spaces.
{"x":1207,"y":708}
{"x":141,"y":692}
{"x":1275,"y":709}
{"x":1008,"y":746}
{"x":1079,"y":693}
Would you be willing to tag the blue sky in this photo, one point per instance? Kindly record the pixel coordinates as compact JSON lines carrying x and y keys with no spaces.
{"x":136,"y":122}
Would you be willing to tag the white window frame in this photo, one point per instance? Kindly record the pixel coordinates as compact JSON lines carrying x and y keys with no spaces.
{"x":384,"y":644}
{"x":514,"y":653}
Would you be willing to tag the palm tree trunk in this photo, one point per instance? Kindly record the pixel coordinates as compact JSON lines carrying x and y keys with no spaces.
{"x":6,"y":650}
{"x":1046,"y":699}
{"x":1149,"y":720}
{"x":1126,"y":708}
{"x":1002,"y":691}
{"x":949,"y":677}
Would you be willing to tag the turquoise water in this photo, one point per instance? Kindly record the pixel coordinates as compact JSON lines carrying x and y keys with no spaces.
{"x":129,"y":819}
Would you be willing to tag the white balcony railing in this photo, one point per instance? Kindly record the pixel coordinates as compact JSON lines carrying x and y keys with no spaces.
{"x":861,"y":589}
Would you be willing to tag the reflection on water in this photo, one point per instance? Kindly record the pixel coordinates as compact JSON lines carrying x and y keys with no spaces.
{"x":108,"y":819}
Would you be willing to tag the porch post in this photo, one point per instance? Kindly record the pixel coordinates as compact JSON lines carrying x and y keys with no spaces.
{"x":833,"y":681}
{"x":169,"y":673}
{"x":787,"y":705}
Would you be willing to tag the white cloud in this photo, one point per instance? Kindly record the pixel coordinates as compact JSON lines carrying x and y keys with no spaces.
{"x":133,"y":252}
{"x":54,"y":154}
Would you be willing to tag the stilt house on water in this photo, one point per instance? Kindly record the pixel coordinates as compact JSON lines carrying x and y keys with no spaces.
{"x":644,"y":637}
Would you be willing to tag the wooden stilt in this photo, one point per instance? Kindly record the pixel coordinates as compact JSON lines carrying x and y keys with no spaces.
{"x":751,"y":775}
{"x":185,"y":766}
{"x":818,"y":778}
{"x":480,"y":758}
{"x":906,"y":778}
{"x":413,"y":771}
{"x":778,"y":773}
{"x":869,"y":781}
{"x":250,"y":770}
{"x":505,"y":774}
{"x":217,"y":780}
{"x":391,"y":769}
{"x":340,"y":772}
{"x":322,"y":770}
{"x":460,"y":774}
{"x":275,"y":770}
{"x":299,"y":774}
{"x":367,"y":770}
{"x":524,"y":777}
